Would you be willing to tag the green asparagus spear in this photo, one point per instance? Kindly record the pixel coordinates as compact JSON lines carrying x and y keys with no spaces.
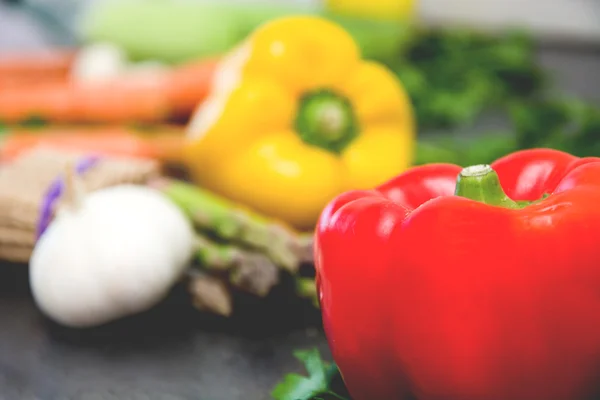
{"x":304,"y":248}
{"x":216,"y":256}
{"x":306,"y":288}
{"x":257,"y":276}
{"x":231,"y":222}
{"x":204,"y":208}
{"x":210,"y":294}
{"x":249,"y":270}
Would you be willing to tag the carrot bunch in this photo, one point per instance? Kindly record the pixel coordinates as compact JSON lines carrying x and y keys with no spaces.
{"x":46,"y":92}
{"x":28,"y":70}
{"x":97,"y":116}
{"x":161,"y":143}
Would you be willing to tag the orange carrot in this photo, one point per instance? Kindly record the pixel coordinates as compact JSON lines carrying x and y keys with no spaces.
{"x":188,"y":85}
{"x":50,"y":64}
{"x":31,"y":69}
{"x":148,"y":98}
{"x":29,"y":81}
{"x":162,"y":144}
{"x":109,"y":102}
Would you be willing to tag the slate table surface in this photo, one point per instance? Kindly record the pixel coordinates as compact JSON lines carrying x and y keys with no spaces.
{"x":173,"y":352}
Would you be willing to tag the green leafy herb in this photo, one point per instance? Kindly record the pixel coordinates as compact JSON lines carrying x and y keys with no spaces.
{"x":480,"y":150}
{"x":569,"y":125}
{"x":453,"y":75}
{"x":316,"y":386}
{"x":560,"y":123}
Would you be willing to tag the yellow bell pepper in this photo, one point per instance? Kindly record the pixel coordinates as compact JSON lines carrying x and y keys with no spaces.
{"x":396,"y":10}
{"x":295,"y":117}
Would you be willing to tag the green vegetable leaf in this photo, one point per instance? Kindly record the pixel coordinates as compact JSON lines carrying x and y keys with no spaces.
{"x":453,"y":75}
{"x":315,"y":386}
{"x":483,"y":149}
{"x":565,"y":124}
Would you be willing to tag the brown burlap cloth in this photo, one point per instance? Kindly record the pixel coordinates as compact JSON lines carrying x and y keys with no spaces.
{"x":24,"y":185}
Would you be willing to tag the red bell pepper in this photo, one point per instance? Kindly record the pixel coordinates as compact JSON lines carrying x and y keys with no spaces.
{"x":480,"y":283}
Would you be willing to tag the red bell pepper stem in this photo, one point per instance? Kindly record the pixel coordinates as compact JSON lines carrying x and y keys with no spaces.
{"x":481,"y":183}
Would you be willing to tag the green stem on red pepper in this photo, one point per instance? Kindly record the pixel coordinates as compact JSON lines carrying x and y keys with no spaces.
{"x":481,"y":183}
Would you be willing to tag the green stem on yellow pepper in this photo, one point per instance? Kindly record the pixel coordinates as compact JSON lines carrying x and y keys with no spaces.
{"x":327,"y":120}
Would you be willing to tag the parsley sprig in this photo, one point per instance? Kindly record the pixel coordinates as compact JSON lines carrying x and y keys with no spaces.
{"x":322,"y":383}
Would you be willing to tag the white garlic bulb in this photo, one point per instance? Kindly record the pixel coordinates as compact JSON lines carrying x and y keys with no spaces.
{"x":109,"y":254}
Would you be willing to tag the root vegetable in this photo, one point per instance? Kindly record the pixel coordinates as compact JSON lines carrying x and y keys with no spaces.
{"x":109,"y":254}
{"x":111,"y":97}
{"x":162,"y":144}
